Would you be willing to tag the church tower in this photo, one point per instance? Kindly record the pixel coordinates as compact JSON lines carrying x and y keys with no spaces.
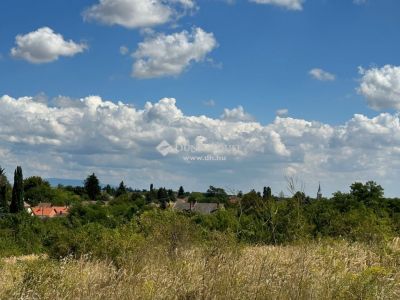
{"x":319,"y":193}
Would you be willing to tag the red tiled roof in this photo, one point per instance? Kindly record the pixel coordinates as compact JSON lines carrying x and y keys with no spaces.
{"x":50,"y":212}
{"x":44,"y":212}
{"x":61,"y":210}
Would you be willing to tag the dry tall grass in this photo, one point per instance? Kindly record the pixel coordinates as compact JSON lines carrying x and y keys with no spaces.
{"x":334,"y":270}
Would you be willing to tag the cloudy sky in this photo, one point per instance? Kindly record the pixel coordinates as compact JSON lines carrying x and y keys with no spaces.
{"x":303,"y":88}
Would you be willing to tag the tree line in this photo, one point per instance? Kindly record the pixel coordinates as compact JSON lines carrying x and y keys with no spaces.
{"x":361,"y":214}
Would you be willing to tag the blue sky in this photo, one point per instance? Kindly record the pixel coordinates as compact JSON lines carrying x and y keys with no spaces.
{"x":262,"y":62}
{"x":259,"y":58}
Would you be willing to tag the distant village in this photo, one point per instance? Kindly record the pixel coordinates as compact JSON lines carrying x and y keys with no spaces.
{"x":35,"y":196}
{"x":47,"y":210}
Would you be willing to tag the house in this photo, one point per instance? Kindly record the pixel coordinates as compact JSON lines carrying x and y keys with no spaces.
{"x":45,"y":212}
{"x":206,"y":208}
{"x":182,"y":205}
{"x":197,"y":207}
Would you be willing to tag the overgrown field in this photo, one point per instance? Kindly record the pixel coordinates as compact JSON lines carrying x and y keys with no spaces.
{"x":221,"y":269}
{"x":134,"y":246}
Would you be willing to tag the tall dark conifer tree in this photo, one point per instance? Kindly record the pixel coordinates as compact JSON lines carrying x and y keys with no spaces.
{"x":4,"y":208}
{"x":267,"y":193}
{"x":92,"y":187}
{"x":181,"y":192}
{"x":162,"y":196}
{"x":121,"y":189}
{"x":17,"y":201}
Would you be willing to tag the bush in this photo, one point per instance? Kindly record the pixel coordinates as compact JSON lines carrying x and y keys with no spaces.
{"x":169,"y":232}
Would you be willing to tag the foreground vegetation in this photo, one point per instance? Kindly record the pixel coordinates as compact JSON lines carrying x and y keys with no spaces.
{"x":121,"y":243}
{"x":222,"y":270}
{"x":166,"y":255}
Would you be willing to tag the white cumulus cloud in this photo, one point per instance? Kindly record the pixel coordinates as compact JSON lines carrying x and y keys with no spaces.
{"x":169,"y":55}
{"x":283,"y":112}
{"x":236,"y":114}
{"x":288,"y":4}
{"x":72,"y":138}
{"x":381,"y":87}
{"x":137,"y":13}
{"x":44,"y":46}
{"x":322,"y":75}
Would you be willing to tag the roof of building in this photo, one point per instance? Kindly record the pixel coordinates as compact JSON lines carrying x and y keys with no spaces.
{"x":205,"y":208}
{"x":61,"y":210}
{"x":202,"y":208}
{"x":44,"y":212}
{"x":44,"y":204}
{"x":50,"y":212}
{"x":181,"y":205}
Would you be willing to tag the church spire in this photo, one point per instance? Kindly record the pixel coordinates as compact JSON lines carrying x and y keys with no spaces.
{"x":319,"y":193}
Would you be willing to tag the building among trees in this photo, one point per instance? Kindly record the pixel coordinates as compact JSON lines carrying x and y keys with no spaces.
{"x":183,"y":205}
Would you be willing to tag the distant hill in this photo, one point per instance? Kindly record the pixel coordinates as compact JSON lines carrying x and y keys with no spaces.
{"x":57,"y":181}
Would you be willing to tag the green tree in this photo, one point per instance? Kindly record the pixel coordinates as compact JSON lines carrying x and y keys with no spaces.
{"x":151,"y":195}
{"x":37,"y":190}
{"x":370,"y":193}
{"x":181,"y":192}
{"x":121,"y":189}
{"x":162,"y":196}
{"x":3,"y":192}
{"x":17,"y":201}
{"x":263,"y":221}
{"x":216,"y":195}
{"x":34,"y":181}
{"x":267,"y":193}
{"x":250,"y":201}
{"x":136,"y":196}
{"x":109,"y":190}
{"x":171,"y":195}
{"x":92,"y":187}
{"x":196,"y":197}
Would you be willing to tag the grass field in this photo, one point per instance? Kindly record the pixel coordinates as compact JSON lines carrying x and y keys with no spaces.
{"x":320,"y":270}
